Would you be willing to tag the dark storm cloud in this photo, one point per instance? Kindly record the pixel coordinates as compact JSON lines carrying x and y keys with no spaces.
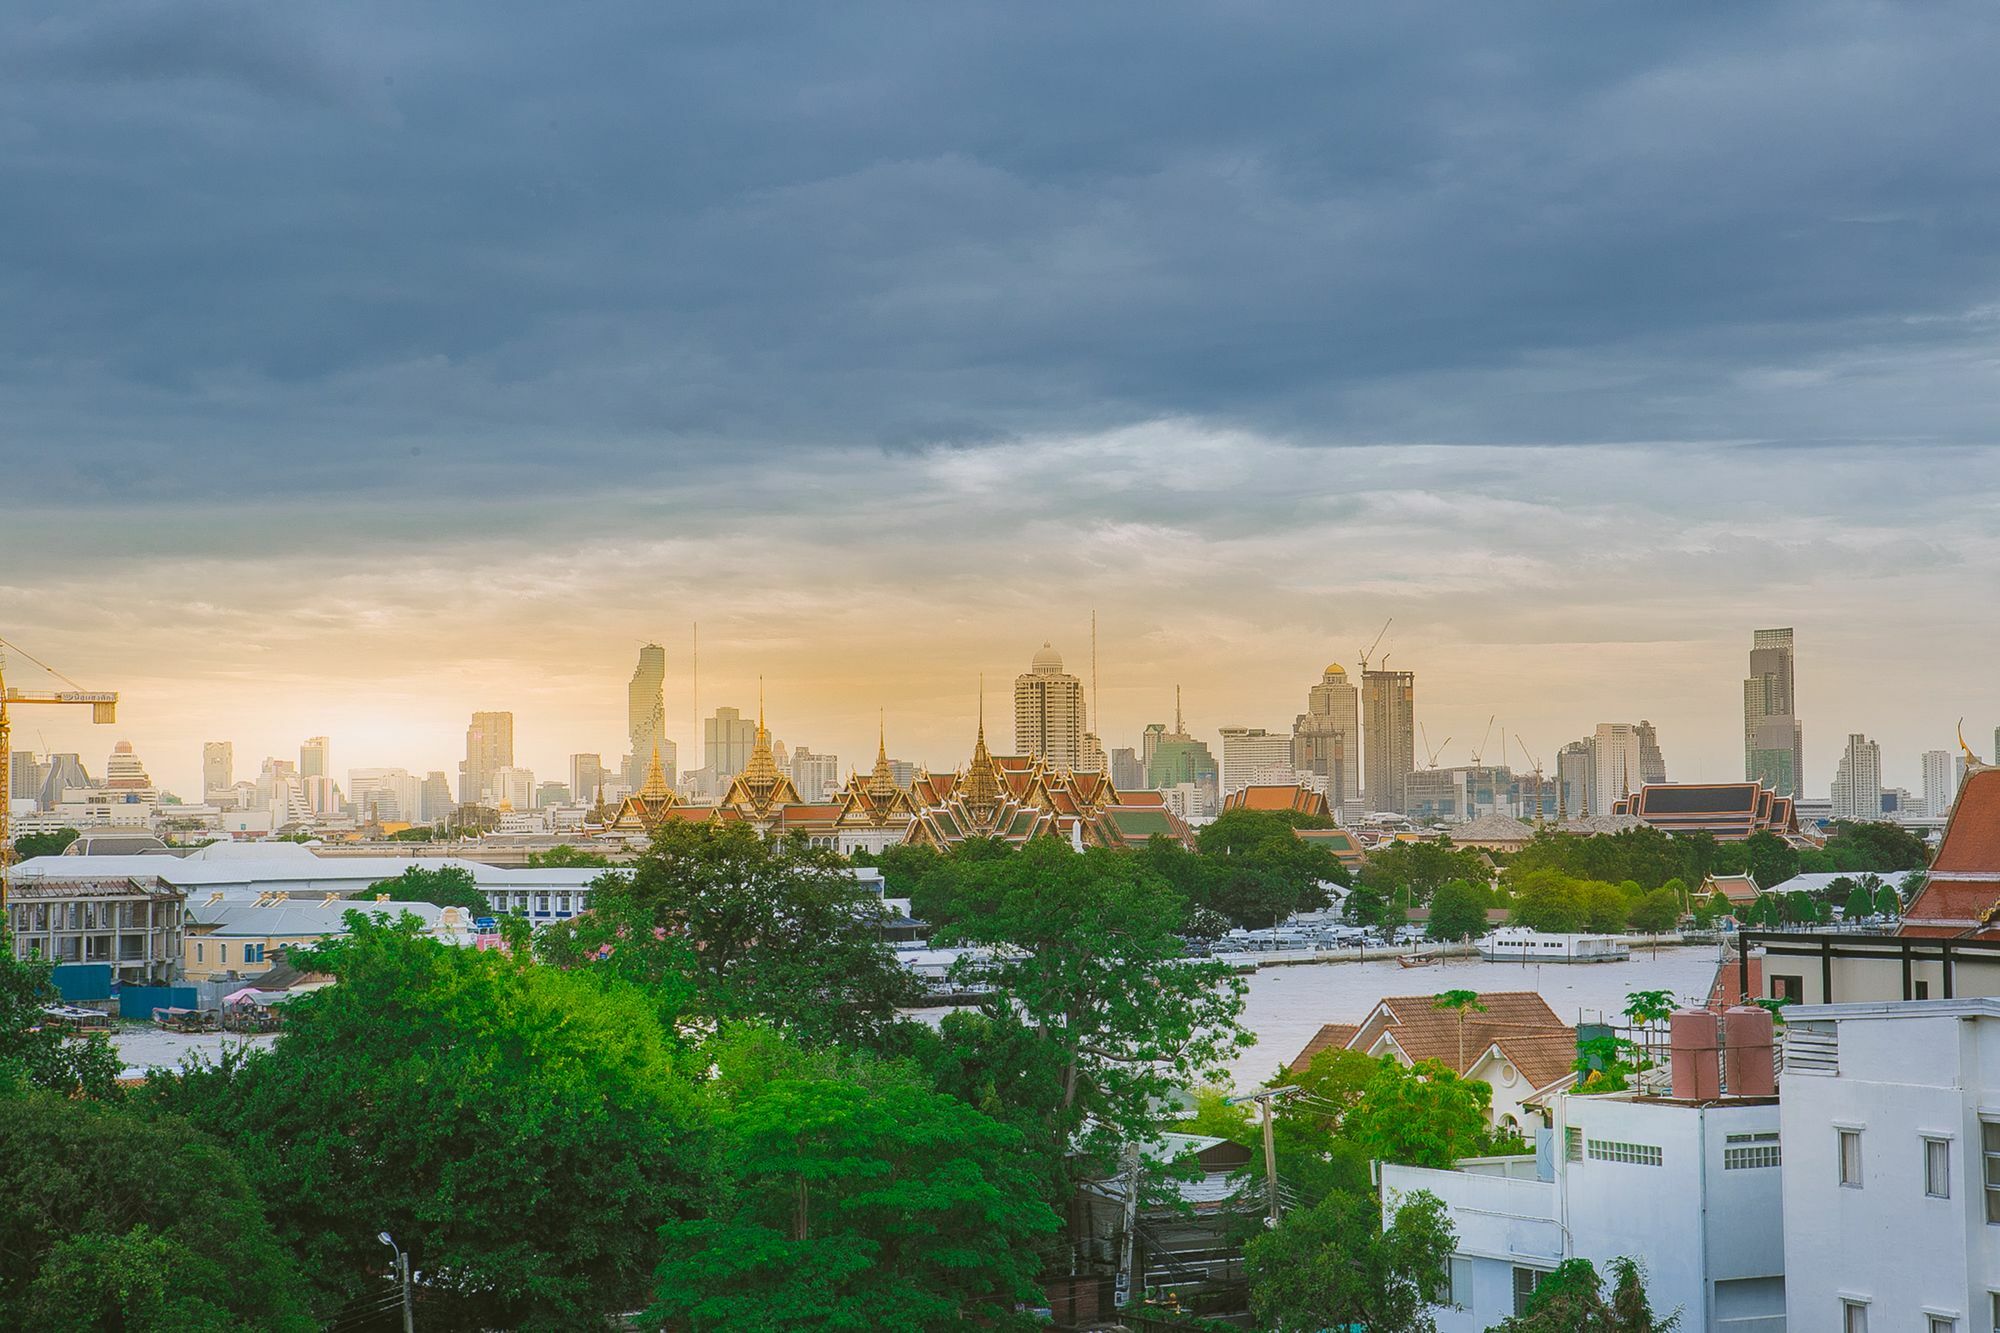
{"x":260,"y":249}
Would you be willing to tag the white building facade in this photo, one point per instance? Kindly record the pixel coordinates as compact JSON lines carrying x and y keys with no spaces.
{"x":1892,"y":1166}
{"x":1689,"y":1189}
{"x":1857,"y":783}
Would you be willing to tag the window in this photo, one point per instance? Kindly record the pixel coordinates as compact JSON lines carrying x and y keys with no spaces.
{"x":197,"y":953}
{"x":1921,"y":991}
{"x":1937,"y":1167}
{"x":1525,"y":1282}
{"x":1942,"y":1323}
{"x":1789,"y":988}
{"x":1461,"y":1283}
{"x":1745,"y":1152}
{"x":221,"y":953}
{"x":1850,"y":1158}
{"x":1632,"y":1154}
{"x":1573,"y":1144}
{"x":253,"y":953}
{"x":1989,"y":1150}
{"x":1994,"y":1299}
{"x":1853,"y":1317}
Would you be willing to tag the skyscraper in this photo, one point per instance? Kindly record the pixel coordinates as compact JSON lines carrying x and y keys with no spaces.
{"x":646,"y":719}
{"x":1127,"y":773}
{"x":1176,"y":758}
{"x":1652,"y":763}
{"x":24,"y":775}
{"x":1573,"y":779}
{"x":1326,"y":738}
{"x":218,"y":766}
{"x":434,"y":796}
{"x":1773,"y":745}
{"x":489,"y":746}
{"x":1940,"y":782}
{"x":586,"y":775}
{"x":1049,"y":717}
{"x":1389,"y":724}
{"x":313,"y":757}
{"x":727,"y":739}
{"x":815,"y":775}
{"x":1857,"y":783}
{"x":1617,"y":758}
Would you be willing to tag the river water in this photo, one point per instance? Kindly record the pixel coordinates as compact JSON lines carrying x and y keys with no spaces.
{"x":1284,"y":1006}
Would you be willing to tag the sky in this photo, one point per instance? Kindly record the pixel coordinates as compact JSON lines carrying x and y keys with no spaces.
{"x":364,"y":365}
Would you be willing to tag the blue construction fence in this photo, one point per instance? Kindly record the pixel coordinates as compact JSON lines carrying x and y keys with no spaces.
{"x":140,"y":1001}
{"x":82,"y":983}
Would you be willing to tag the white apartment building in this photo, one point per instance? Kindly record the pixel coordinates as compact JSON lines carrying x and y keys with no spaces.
{"x":1689,"y":1188}
{"x":1941,"y":773}
{"x":1253,"y":755}
{"x":1891,"y":1123}
{"x":1049,"y":718}
{"x":1617,"y":764}
{"x":1857,"y":783}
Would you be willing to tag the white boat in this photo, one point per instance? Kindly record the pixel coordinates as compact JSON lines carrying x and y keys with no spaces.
{"x":1518,"y":944}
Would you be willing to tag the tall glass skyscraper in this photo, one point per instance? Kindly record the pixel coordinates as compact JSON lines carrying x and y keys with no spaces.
{"x":1773,"y":749}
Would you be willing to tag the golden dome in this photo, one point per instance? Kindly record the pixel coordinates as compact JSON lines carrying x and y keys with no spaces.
{"x":1335,"y":669}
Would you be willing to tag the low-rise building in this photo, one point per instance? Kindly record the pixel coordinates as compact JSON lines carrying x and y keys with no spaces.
{"x":132,"y":923}
{"x":1688,"y":1185}
{"x":1512,"y":1041}
{"x":1891,"y":1124}
{"x":228,"y":938}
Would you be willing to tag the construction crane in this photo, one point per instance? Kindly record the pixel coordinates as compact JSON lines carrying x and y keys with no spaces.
{"x":1432,"y":752}
{"x":1479,"y":752}
{"x":1538,"y":769}
{"x":103,"y":708}
{"x":1365,"y":652}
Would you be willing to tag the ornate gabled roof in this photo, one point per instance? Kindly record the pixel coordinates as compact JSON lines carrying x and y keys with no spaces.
{"x":761,"y":787}
{"x":643,"y":810}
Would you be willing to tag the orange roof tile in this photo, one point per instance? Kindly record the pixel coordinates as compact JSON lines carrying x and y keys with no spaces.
{"x":1972,"y":835}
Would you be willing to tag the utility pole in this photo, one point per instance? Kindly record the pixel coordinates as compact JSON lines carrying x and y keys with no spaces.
{"x":1131,"y":1257}
{"x":403,"y":1277}
{"x":1264,"y":1098}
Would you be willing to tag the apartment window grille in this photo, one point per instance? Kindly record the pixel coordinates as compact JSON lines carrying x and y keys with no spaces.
{"x":1989,"y":1151}
{"x":1850,"y":1158}
{"x":1573,"y":1144}
{"x":1937,"y":1168}
{"x":1525,"y":1282}
{"x":1751,"y":1157}
{"x":1632,"y":1154}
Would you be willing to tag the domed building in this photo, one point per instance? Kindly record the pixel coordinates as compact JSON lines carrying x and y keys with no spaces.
{"x":1049,"y":721}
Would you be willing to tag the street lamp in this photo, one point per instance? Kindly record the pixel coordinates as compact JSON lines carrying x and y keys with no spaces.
{"x":403,"y":1276}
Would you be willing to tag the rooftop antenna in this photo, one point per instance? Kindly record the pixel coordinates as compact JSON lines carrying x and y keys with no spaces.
{"x":694,"y":687}
{"x":1093,"y":672}
{"x":1178,"y":729}
{"x":1371,"y":647}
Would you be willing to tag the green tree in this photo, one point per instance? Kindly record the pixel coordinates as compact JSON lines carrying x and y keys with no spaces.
{"x":30,"y":845}
{"x":34,"y":1054}
{"x":1458,"y":911}
{"x":1459,"y":1002}
{"x":1087,"y":959}
{"x":1571,"y":1300}
{"x":1604,"y":907}
{"x":1877,"y":845}
{"x":1549,"y":902}
{"x":1860,"y":904}
{"x":845,"y":1206}
{"x":1334,"y":1265}
{"x":562,"y":856}
{"x":442,"y":886}
{"x":1412,"y":871}
{"x":109,"y":1220}
{"x":1769,"y":859}
{"x":1421,"y":1116}
{"x":522,"y":1131}
{"x":1887,"y":902}
{"x":1656,"y":912}
{"x":741,"y":927}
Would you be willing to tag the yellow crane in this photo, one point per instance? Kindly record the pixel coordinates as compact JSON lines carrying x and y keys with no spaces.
{"x":103,"y":708}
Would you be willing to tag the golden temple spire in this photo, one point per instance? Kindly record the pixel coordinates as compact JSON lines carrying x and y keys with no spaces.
{"x":656,"y":778}
{"x":882,"y":736}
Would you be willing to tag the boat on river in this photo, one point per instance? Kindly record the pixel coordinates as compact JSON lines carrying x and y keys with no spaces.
{"x":1518,"y":944}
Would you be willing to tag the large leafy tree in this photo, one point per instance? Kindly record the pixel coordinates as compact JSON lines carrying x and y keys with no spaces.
{"x":1085,"y":958}
{"x":1334,"y":1265}
{"x":521,"y":1130}
{"x":565,"y":857}
{"x":1571,"y":1299}
{"x":1458,"y":911}
{"x":35,"y":1054}
{"x":856,"y":1202}
{"x":1259,"y":872}
{"x":443,"y":886}
{"x":1410,"y":872}
{"x":109,"y":1220}
{"x":30,"y":845}
{"x":745,"y":928}
{"x":1421,"y":1116}
{"x":1656,"y":912}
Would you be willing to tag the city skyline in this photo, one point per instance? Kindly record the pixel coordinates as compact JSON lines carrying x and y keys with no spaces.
{"x":846,"y":728}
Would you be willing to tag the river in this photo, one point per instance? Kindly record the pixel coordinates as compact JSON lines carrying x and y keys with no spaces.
{"x":1284,"y":1006}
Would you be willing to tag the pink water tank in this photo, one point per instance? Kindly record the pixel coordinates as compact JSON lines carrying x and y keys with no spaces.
{"x":1749,"y":1060}
{"x":1695,"y":1039}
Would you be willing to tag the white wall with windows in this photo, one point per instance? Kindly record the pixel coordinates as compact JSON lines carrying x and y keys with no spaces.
{"x":1891,"y":1126}
{"x":1691,"y":1191}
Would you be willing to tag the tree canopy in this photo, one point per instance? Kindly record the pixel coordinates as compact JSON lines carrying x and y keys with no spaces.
{"x":30,"y":845}
{"x":34,"y":1054}
{"x":522,"y":1131}
{"x":1334,"y":1265}
{"x":442,"y":886}
{"x":110,"y":1220}
{"x":734,"y":926}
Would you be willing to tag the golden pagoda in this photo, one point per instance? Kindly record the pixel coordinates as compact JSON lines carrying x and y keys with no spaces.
{"x":638,"y":813}
{"x":876,"y":800}
{"x":761,"y":788}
